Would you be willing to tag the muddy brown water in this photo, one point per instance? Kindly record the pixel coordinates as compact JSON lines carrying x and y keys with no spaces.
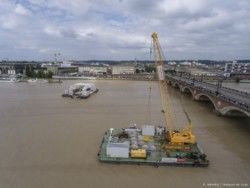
{"x":47,"y":141}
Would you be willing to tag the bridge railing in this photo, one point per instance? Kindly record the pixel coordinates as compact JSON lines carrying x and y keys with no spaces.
{"x":231,"y":90}
{"x":213,"y":89}
{"x":238,"y":92}
{"x":240,"y":104}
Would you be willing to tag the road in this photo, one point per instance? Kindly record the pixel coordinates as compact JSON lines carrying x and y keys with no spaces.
{"x":239,"y":98}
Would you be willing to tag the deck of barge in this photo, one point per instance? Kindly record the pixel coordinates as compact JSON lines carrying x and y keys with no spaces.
{"x":154,"y":158}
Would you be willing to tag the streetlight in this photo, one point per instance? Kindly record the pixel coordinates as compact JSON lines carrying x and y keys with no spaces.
{"x":193,"y":80}
{"x":56,"y":56}
{"x":219,"y":85}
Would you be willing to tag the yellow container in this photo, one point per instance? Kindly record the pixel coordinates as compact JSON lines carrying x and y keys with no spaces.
{"x":138,"y":153}
{"x":148,"y":138}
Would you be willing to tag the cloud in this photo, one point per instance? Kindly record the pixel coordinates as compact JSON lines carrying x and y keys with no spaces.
{"x":21,"y":10}
{"x":184,"y":7}
{"x":120,"y":29}
{"x":52,"y":31}
{"x":12,"y":15}
{"x":74,"y":7}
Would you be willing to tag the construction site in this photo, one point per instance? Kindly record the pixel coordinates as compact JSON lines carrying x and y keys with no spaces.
{"x":151,"y":145}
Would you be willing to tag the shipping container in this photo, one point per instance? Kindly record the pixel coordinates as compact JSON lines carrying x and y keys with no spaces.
{"x":148,"y":130}
{"x":118,"y":150}
{"x":168,"y":160}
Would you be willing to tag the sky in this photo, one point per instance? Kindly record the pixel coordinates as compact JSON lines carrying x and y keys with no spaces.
{"x":121,"y":29}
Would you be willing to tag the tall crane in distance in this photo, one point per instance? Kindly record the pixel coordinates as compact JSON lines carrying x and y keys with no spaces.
{"x":175,"y":138}
{"x":56,"y":55}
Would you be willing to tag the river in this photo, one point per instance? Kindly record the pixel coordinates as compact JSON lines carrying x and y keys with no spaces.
{"x":49,"y":141}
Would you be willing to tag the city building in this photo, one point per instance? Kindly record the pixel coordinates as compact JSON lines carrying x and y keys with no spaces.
{"x":61,"y":68}
{"x":92,"y":69}
{"x":7,"y":69}
{"x":242,"y":68}
{"x":52,"y":68}
{"x":123,"y":69}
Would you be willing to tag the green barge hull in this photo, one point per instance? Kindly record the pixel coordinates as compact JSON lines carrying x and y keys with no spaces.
{"x":160,"y":157}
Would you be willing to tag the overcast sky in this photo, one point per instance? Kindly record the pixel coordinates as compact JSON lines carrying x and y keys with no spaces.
{"x":121,"y":29}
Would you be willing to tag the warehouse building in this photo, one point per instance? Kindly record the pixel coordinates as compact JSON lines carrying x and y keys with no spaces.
{"x":123,"y":69}
{"x":92,"y":69}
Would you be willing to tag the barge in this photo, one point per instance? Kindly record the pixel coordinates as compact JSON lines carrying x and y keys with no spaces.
{"x":147,"y":146}
{"x":80,"y":90}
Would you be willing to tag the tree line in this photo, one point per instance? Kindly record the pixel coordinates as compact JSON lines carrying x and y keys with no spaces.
{"x":31,"y":73}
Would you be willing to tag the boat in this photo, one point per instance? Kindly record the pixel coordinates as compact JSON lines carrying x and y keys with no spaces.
{"x":80,"y":90}
{"x":40,"y":81}
{"x":147,"y":146}
{"x":8,"y":79}
{"x":32,"y":80}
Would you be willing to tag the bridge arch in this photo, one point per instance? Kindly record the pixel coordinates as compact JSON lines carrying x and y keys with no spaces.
{"x":169,"y":82}
{"x":204,"y":97}
{"x":176,"y":85}
{"x":233,"y":111}
{"x":187,"y":90}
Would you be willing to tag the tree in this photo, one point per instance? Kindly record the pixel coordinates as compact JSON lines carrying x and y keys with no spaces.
{"x":49,"y":74}
{"x":237,"y":79}
{"x":40,"y":74}
{"x":150,"y":68}
{"x":29,"y":71}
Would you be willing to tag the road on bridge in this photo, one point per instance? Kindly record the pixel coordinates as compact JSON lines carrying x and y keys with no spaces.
{"x":237,"y":97}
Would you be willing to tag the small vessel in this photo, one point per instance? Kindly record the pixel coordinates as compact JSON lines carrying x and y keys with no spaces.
{"x":80,"y":90}
{"x":8,"y":79}
{"x":32,"y":80}
{"x":40,"y":81}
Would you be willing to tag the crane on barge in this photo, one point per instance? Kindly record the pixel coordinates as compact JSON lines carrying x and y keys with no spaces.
{"x":151,"y":145}
{"x":176,"y":139}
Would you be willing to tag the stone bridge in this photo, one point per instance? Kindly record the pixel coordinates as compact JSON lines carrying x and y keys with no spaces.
{"x":226,"y":101}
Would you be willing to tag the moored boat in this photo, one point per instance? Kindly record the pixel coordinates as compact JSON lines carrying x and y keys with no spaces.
{"x":80,"y":90}
{"x":8,"y":79}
